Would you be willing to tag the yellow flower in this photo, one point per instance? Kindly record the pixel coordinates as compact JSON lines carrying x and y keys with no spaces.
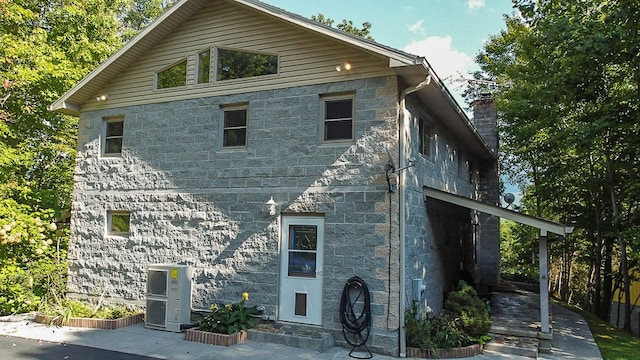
{"x":213,"y":307}
{"x":245,"y":296}
{"x":229,"y":307}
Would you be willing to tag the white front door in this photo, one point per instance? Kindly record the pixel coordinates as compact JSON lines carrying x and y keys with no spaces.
{"x":301,"y":270}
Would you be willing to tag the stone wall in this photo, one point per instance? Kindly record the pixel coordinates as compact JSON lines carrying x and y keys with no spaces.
{"x":193,"y":203}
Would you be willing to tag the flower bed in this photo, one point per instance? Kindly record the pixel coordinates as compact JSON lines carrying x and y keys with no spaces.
{"x":211,"y":338}
{"x":92,"y":323}
{"x":452,"y":353}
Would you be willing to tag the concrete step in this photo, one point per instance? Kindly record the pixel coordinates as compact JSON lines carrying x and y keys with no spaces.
{"x":513,"y":345}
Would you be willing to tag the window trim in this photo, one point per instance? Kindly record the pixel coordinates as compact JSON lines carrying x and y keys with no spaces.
{"x":105,"y":138}
{"x":216,"y":57}
{"x":184,"y":60}
{"x":234,"y":107}
{"x":324,"y":99}
{"x":425,"y":124}
{"x":211,"y":51}
{"x":109,"y":222}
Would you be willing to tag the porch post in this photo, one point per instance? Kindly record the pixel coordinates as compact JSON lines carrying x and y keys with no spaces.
{"x":544,"y":283}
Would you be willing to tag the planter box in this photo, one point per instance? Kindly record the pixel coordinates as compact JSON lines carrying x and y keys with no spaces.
{"x":107,"y":324}
{"x":321,"y":342}
{"x":206,"y":337}
{"x":453,"y":353}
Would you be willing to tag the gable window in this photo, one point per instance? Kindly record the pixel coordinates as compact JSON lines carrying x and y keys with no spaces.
{"x":113,"y":136}
{"x":204,"y":66}
{"x":234,"y":132}
{"x":235,"y":64}
{"x":118,"y":223}
{"x":173,"y":76}
{"x":337,"y":118}
{"x":426,"y":139}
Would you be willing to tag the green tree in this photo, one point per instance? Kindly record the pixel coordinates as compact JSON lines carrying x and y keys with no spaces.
{"x":45,"y":48}
{"x":346,"y":26}
{"x":569,"y":100}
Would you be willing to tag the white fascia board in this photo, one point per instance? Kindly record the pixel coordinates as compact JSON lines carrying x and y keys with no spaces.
{"x":521,"y":218}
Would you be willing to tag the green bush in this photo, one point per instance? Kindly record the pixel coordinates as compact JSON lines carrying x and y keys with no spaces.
{"x":230,"y":318}
{"x":440,"y":332}
{"x":25,"y":288}
{"x":469,"y":310}
{"x":465,"y":321}
{"x":65,"y":309}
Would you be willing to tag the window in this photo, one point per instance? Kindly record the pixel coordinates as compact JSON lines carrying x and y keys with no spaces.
{"x":234,"y":64}
{"x":113,"y":135}
{"x":204,"y":66}
{"x":426,"y":138}
{"x":337,"y":119}
{"x":118,"y":222}
{"x":173,"y":76}
{"x":463,"y":166}
{"x":234,"y":125}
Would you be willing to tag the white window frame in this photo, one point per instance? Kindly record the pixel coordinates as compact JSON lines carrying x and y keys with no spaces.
{"x":223,"y":128}
{"x":109,"y":223}
{"x":105,"y":138}
{"x":211,"y":66}
{"x":323,"y":117}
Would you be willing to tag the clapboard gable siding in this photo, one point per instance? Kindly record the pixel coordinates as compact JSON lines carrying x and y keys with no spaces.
{"x":304,"y":58}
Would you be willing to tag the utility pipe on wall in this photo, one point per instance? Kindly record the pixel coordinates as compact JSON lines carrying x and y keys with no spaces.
{"x":402,"y":221}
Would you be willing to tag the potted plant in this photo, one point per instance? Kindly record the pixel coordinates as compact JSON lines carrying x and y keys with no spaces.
{"x":225,"y":325}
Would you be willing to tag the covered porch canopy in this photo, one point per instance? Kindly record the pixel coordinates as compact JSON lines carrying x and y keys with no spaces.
{"x":545,"y":227}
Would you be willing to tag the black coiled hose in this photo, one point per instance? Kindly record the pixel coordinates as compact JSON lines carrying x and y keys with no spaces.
{"x":355,"y":314}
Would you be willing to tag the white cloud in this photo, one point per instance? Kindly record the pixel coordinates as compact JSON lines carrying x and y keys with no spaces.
{"x":418,"y":27}
{"x":475,"y":4}
{"x":445,"y":60}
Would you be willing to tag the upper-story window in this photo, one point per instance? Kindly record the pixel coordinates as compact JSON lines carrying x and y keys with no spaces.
{"x":234,"y":127}
{"x":426,"y":139}
{"x":337,"y":118}
{"x":113,"y":136}
{"x":204,"y":66}
{"x":235,"y":64}
{"x":173,"y":76}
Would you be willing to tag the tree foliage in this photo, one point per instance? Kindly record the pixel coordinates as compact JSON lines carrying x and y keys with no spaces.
{"x":569,"y":98}
{"x":46,"y":46}
{"x":346,"y":26}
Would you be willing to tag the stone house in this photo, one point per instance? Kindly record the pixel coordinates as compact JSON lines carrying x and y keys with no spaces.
{"x":279,"y":157}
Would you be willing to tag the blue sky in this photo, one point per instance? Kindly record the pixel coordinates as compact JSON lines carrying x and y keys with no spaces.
{"x":448,"y":33}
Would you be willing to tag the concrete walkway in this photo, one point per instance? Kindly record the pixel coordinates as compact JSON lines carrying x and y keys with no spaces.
{"x":572,"y":340}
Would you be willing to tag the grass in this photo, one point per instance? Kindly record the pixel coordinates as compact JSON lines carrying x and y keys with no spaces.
{"x":614,"y":344}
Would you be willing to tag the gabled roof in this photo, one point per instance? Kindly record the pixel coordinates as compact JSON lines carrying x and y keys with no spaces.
{"x":410,"y":68}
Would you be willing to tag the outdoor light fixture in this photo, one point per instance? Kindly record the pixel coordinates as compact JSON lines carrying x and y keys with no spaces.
{"x":102,"y":98}
{"x":271,"y":206}
{"x":344,"y":66}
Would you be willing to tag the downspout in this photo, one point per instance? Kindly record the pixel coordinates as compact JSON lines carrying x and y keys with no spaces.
{"x":402,"y":223}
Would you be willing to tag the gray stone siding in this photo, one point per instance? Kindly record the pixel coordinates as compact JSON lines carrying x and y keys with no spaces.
{"x":193,"y":203}
{"x":433,"y":229}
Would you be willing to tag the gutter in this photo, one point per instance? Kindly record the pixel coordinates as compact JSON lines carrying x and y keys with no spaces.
{"x":402,"y":223}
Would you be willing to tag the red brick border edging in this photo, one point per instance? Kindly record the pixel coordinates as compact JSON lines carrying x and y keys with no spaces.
{"x":467,"y":351}
{"x":106,"y":324}
{"x":206,"y":337}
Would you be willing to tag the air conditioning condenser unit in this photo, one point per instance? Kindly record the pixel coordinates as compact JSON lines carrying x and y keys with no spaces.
{"x":168,"y":297}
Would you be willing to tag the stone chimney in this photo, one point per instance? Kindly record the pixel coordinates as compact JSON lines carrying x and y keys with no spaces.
{"x":485,"y":119}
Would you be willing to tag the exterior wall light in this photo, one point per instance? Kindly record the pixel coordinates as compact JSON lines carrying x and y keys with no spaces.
{"x":102,"y":98}
{"x":344,"y":66}
{"x":271,"y":206}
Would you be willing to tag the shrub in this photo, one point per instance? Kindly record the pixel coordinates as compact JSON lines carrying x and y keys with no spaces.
{"x":439,"y":332}
{"x":465,"y":321}
{"x":469,"y":310}
{"x":68,"y":308}
{"x":230,"y":318}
